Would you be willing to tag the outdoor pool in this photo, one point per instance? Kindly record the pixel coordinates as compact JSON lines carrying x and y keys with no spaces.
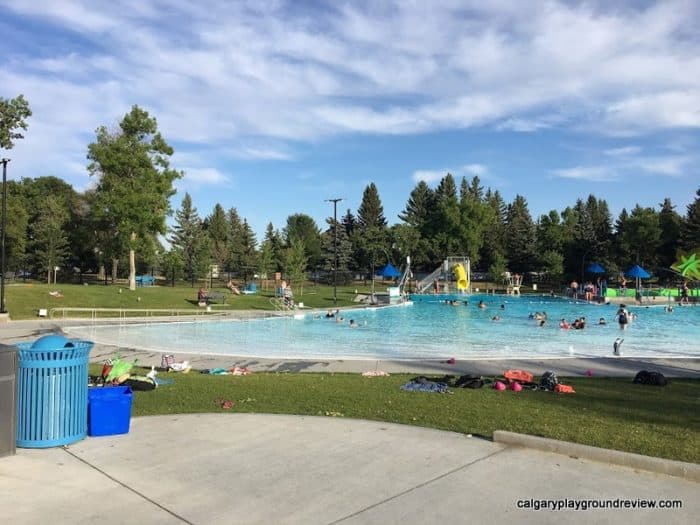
{"x":426,"y":329}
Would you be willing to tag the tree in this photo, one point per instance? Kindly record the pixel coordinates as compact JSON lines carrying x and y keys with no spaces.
{"x":173,"y":265}
{"x":474,"y":217}
{"x":493,"y":248}
{"x":295,"y":263}
{"x":235,"y":240}
{"x":274,"y":238}
{"x":413,"y":236}
{"x":188,"y":238}
{"x":343,"y":247}
{"x":370,"y":234}
{"x":690,"y":228}
{"x":50,"y":240}
{"x":13,"y":115}
{"x":265,"y":262}
{"x":552,"y":264}
{"x":446,"y":220}
{"x":670,"y":224}
{"x":520,"y":236}
{"x":135,"y":180}
{"x":249,"y":257}
{"x":303,"y":227}
{"x":642,"y":235}
{"x":216,"y":227}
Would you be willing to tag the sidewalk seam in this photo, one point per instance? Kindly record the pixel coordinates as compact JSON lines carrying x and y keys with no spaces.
{"x":420,"y":485}
{"x":127,"y":487}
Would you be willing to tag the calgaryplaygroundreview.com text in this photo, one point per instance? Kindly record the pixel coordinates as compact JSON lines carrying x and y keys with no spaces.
{"x":595,"y":504}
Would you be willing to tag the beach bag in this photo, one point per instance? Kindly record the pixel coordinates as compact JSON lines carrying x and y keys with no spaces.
{"x":518,"y":375}
{"x":470,"y":382}
{"x":650,"y":378}
{"x":564,"y":389}
{"x":549,"y":380}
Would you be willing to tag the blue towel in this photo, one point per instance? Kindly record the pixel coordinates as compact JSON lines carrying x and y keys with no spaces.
{"x":425,"y":386}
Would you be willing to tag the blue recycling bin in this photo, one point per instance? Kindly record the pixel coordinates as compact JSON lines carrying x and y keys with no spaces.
{"x":109,"y":410}
{"x":52,"y":391}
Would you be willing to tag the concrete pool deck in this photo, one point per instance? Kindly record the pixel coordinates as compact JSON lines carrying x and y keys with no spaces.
{"x":251,"y":468}
{"x":625,"y":366}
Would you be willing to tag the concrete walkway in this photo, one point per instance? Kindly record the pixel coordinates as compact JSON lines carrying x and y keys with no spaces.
{"x":245,"y":468}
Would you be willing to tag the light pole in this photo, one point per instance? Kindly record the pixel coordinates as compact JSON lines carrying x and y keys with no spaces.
{"x":335,"y":248}
{"x":2,"y":242}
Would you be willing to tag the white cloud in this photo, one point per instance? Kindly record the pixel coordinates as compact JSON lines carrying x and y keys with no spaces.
{"x":587,"y":173}
{"x":429,"y":176}
{"x":672,"y":166}
{"x":624,"y":151}
{"x":268,"y":73}
{"x":475,"y":169}
{"x":201,"y":176}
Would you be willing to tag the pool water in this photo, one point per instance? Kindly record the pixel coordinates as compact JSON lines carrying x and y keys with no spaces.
{"x":427,"y":329}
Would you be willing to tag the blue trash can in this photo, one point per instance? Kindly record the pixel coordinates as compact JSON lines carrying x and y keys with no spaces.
{"x":109,"y":410}
{"x":52,"y":391}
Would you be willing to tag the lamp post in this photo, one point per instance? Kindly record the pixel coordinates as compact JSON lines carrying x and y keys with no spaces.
{"x":2,"y":242}
{"x":335,"y":247}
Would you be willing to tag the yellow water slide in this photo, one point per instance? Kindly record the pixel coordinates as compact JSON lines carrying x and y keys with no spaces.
{"x":462,"y":281}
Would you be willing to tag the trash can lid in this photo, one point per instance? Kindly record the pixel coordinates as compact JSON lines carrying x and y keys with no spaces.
{"x":52,"y":342}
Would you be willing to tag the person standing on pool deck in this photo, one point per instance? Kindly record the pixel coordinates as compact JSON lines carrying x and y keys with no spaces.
{"x":684,"y":293}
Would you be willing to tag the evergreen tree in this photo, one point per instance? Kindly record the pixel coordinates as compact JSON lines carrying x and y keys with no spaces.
{"x":493,"y":248}
{"x":670,"y":224}
{"x":370,"y":235}
{"x":690,"y":227}
{"x":474,"y":218}
{"x":274,"y":239}
{"x":216,"y":227}
{"x":446,"y":220}
{"x":235,"y":246}
{"x":188,"y":237}
{"x":249,"y":256}
{"x":412,"y":236}
{"x":520,"y":236}
{"x":332,"y":245}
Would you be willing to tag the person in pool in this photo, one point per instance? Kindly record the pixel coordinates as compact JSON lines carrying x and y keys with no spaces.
{"x":602,"y":320}
{"x":564,"y":324}
{"x":353,"y":324}
{"x":623,"y":317}
{"x":482,"y":304}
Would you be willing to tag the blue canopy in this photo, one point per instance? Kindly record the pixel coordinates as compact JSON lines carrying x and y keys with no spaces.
{"x":637,"y":272}
{"x":595,"y":268}
{"x":389,"y":271}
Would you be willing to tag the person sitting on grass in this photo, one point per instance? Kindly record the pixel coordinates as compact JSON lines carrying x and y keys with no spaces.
{"x":232,"y":287}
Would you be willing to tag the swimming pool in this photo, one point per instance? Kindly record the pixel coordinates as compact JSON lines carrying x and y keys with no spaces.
{"x":427,"y":329}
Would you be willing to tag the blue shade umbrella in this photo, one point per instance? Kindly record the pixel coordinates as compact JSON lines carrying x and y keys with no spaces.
{"x":389,"y":271}
{"x":637,"y":272}
{"x":595,"y":268}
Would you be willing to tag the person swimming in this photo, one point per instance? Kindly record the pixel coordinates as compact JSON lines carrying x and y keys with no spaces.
{"x":482,"y":304}
{"x":353,"y":324}
{"x":564,"y":324}
{"x":602,"y":320}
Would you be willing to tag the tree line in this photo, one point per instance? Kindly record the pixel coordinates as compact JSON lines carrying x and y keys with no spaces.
{"x":115,"y":227}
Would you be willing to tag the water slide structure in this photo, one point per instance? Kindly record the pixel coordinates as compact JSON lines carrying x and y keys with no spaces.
{"x":462,"y":281}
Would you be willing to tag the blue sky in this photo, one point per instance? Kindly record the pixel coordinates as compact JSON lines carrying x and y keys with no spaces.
{"x":274,"y":106}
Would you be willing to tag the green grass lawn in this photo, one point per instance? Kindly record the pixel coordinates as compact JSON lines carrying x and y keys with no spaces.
{"x":609,"y":413}
{"x":24,"y":300}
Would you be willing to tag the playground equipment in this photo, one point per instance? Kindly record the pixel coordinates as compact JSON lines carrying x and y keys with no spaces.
{"x":448,"y":278}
